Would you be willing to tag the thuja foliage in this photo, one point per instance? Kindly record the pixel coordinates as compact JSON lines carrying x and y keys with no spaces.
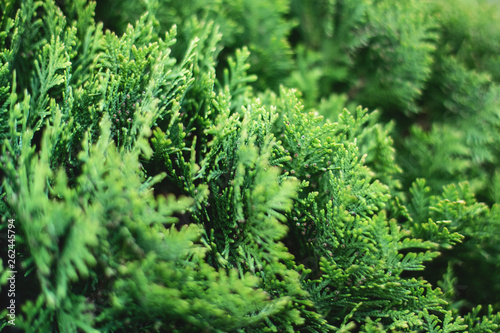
{"x":179,"y":166}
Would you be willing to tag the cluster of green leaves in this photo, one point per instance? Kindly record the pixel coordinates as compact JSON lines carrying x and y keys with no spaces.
{"x":260,"y":25}
{"x":431,"y":69}
{"x":430,"y":66}
{"x":98,"y":248}
{"x":161,"y":179}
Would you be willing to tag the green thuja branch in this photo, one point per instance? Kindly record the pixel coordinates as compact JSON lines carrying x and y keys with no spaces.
{"x":487,"y":323}
{"x":164,"y":174}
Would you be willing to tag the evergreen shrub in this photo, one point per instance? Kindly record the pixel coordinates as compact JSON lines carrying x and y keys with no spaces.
{"x":250,"y":166}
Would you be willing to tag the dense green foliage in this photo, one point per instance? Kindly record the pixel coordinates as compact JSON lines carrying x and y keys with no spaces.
{"x":183,"y":166}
